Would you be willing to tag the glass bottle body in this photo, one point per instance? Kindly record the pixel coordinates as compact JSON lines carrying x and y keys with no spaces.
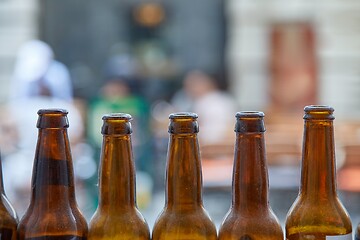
{"x":53,"y":212}
{"x":117,"y":216}
{"x":184,"y":216}
{"x":317,"y":213}
{"x":8,"y":217}
{"x":250,"y":215}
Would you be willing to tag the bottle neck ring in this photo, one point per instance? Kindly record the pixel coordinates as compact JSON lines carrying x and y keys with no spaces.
{"x":116,"y":124}
{"x":249,"y":122}
{"x":183,"y":123}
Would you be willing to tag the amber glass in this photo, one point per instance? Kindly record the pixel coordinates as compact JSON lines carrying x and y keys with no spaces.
{"x":53,"y":212}
{"x":183,"y":217}
{"x":117,"y":216}
{"x":250,"y":215}
{"x":8,"y":217}
{"x":317,"y":212}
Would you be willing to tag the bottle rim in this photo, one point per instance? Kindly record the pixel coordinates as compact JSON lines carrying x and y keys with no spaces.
{"x":249,"y":114}
{"x":318,"y":108}
{"x":117,"y":116}
{"x":52,"y":111}
{"x":320,"y":112}
{"x":183,"y":115}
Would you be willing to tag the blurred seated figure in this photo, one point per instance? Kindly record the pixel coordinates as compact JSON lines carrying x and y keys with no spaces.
{"x":216,"y":109}
{"x":38,"y":82}
{"x":36,"y":73}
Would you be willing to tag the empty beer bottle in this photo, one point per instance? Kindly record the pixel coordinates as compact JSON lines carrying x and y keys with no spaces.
{"x":250,"y":215}
{"x":317,"y":212}
{"x":53,"y":213}
{"x":8,"y":217}
{"x":184,"y":216}
{"x":117,"y":216}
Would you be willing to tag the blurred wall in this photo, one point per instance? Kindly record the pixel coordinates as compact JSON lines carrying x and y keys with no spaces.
{"x":18,"y":23}
{"x":85,"y":32}
{"x":335,"y":25}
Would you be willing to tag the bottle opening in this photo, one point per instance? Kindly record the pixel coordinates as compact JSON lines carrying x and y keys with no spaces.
{"x":116,"y":124}
{"x":319,"y":112}
{"x":117,"y":116}
{"x":52,"y":111}
{"x":249,"y":114}
{"x":249,"y":122}
{"x":183,"y":115}
{"x":183,"y":122}
{"x":52,"y":118}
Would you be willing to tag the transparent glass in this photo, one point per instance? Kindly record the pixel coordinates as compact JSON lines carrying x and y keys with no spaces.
{"x":183,"y":216}
{"x":250,"y":215}
{"x":117,"y":216}
{"x":53,"y":212}
{"x":317,"y":211}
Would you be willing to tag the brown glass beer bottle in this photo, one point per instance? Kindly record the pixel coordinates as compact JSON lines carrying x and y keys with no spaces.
{"x":53,"y":213}
{"x":8,"y":217}
{"x":117,"y":216}
{"x":317,"y":212}
{"x":250,"y":215}
{"x":184,"y":216}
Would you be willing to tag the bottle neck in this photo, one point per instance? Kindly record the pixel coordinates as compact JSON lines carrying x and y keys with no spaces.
{"x":117,"y":173}
{"x":250,"y":177}
{"x":53,"y":177}
{"x":183,"y":175}
{"x":318,"y":160}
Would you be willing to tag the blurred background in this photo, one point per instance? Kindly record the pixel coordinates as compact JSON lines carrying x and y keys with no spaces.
{"x":151,"y":57}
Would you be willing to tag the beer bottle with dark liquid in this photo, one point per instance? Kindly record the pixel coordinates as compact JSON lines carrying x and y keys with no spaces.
{"x":250,"y":216}
{"x":183,"y":217}
{"x":317,"y":212}
{"x":53,"y":213}
{"x":117,"y":216}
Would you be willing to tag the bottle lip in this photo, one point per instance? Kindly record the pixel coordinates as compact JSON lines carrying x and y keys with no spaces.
{"x":117,"y":116}
{"x":318,"y":108}
{"x":183,"y":123}
{"x":321,"y":112}
{"x":52,"y":111}
{"x":249,"y":122}
{"x":249,"y":114}
{"x":183,"y":115}
{"x":52,"y":118}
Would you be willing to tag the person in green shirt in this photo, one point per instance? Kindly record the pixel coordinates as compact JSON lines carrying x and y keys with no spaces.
{"x":117,"y":96}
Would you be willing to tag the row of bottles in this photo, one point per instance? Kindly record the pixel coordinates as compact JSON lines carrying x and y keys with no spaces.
{"x":53,"y":214}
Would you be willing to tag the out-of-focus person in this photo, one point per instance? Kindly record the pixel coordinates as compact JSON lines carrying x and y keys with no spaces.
{"x":37,"y":73}
{"x":117,"y":95}
{"x":216,"y":108}
{"x":38,"y":82}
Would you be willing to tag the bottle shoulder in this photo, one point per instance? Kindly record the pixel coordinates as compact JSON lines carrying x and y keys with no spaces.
{"x":7,"y":212}
{"x":8,"y":220}
{"x":122,"y":226}
{"x":236,"y":224}
{"x":173,"y":224}
{"x":327,"y":216}
{"x":116,"y":219}
{"x":35,"y":223}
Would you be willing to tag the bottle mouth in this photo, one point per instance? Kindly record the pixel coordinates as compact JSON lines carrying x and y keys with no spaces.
{"x":324,"y":112}
{"x":117,"y":116}
{"x":52,"y":111}
{"x":183,"y":115}
{"x":249,"y":122}
{"x":249,"y":114}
